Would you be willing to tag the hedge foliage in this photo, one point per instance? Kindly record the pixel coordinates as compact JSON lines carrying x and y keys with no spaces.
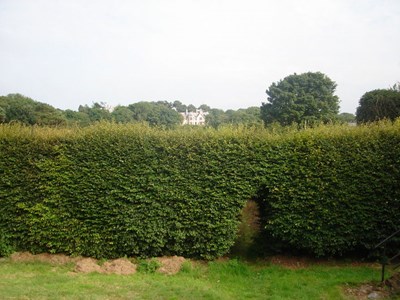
{"x":113,"y":190}
{"x":331,"y":192}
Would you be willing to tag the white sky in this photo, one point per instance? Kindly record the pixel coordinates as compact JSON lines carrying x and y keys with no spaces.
{"x":224,"y":53}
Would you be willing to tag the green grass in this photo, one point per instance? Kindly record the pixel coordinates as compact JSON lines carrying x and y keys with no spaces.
{"x":215,"y":280}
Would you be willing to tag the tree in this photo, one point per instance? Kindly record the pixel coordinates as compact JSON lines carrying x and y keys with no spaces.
{"x":155,"y":113}
{"x":346,"y":118}
{"x":216,"y":117}
{"x":248,"y":116}
{"x":76,"y":118}
{"x":179,"y":106}
{"x":191,"y":108}
{"x":305,"y":98}
{"x":98,"y":112}
{"x":45,"y":114}
{"x":19,"y":108}
{"x":122,"y":114}
{"x":378,"y":104}
{"x":205,"y":107}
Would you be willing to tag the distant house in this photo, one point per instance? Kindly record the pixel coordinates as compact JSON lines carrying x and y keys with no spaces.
{"x":194,"y":118}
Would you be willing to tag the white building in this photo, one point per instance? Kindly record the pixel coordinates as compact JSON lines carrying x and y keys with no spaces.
{"x":194,"y":118}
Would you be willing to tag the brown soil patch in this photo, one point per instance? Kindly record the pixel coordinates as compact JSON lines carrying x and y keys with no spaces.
{"x":119,"y":266}
{"x":87,"y":265}
{"x":170,"y":264}
{"x":22,"y":257}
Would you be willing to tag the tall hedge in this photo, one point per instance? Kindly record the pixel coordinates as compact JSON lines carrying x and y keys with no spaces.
{"x":331,"y":192}
{"x":112,"y":190}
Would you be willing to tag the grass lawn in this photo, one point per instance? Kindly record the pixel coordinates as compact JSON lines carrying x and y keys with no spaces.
{"x":216,"y":280}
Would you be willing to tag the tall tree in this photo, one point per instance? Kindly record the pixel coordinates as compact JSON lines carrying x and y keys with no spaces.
{"x":216,"y":117}
{"x":18,"y":108}
{"x":205,"y":107}
{"x":122,"y":114}
{"x":191,"y":108}
{"x":346,"y":118}
{"x":378,"y":104}
{"x":45,"y":114}
{"x":179,"y":106}
{"x":303,"y":98}
{"x":246,"y":116}
{"x":97,"y":112}
{"x":77,"y":118}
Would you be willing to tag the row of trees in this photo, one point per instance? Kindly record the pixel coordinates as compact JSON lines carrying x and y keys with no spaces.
{"x":303,"y":99}
{"x":155,"y":113}
{"x":18,"y":108}
{"x":160,"y":113}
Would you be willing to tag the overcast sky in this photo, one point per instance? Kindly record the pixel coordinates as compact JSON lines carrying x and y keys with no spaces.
{"x":224,"y":53}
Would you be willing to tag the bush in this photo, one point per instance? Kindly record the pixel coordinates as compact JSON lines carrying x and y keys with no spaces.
{"x":148,"y":266}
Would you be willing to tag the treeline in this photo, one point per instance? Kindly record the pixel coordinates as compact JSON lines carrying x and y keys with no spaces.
{"x":302,"y":100}
{"x":22,"y":109}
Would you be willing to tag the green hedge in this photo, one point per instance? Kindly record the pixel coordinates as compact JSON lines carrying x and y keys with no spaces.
{"x":333,"y":191}
{"x":113,"y":190}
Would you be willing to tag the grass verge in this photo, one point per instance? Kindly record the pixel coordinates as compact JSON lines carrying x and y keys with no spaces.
{"x":216,"y":280}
